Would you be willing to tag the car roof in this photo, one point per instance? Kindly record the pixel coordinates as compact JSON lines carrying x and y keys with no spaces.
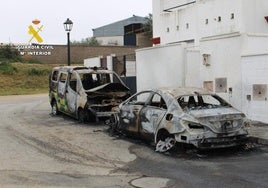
{"x":83,"y":69}
{"x":181,"y":91}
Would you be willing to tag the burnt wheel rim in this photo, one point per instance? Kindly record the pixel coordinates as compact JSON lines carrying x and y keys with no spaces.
{"x":165,"y":145}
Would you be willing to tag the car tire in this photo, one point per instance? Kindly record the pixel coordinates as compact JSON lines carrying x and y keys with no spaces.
{"x":81,"y":116}
{"x":165,"y":142}
{"x":54,"y":108}
{"x":113,"y":124}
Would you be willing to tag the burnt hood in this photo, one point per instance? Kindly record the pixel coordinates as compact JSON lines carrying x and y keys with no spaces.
{"x":110,"y":87}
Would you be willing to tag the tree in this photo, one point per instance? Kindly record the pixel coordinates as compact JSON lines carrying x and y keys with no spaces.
{"x":91,"y":41}
{"x":9,"y":53}
{"x":148,"y":26}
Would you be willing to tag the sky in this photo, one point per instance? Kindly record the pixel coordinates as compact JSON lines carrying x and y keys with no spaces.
{"x":17,"y":16}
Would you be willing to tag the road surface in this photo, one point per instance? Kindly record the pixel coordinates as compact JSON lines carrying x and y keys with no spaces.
{"x":40,"y":150}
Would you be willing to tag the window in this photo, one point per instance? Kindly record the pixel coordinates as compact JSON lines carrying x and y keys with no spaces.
{"x":55,"y":75}
{"x":63,"y":77}
{"x":167,"y":29}
{"x":141,"y":98}
{"x":73,"y":82}
{"x":90,"y":81}
{"x":192,"y":102}
{"x":209,"y":100}
{"x":206,"y":21}
{"x":158,"y":101}
{"x":232,"y":16}
{"x":187,"y":101}
{"x":219,"y":19}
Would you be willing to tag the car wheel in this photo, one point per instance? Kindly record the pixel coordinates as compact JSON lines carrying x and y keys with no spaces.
{"x":113,"y":124}
{"x":81,"y":116}
{"x":165,"y":142}
{"x":54,"y":108}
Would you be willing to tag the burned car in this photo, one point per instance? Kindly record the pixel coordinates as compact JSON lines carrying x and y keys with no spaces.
{"x":167,"y":116}
{"x":85,"y":93}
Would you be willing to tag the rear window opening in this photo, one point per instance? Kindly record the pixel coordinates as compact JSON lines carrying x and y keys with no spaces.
{"x":191,"y":102}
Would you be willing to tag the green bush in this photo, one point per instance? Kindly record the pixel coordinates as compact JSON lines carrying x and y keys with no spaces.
{"x":34,"y":71}
{"x":7,"y":68}
{"x":9,"y":54}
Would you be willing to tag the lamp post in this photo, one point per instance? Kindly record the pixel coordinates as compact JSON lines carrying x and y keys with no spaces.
{"x":68,"y":25}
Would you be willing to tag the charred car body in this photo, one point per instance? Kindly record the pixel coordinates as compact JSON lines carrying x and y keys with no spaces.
{"x":85,"y":93}
{"x":193,"y":116}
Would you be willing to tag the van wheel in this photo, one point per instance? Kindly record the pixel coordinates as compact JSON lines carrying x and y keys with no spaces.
{"x":81,"y":116}
{"x":54,"y":108}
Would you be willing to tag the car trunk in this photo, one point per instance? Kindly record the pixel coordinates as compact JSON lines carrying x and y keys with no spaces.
{"x":219,"y":120}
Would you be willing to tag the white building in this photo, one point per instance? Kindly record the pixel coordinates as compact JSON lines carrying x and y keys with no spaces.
{"x":221,"y":45}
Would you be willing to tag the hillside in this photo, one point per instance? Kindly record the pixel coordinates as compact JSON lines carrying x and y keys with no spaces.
{"x":24,"y":78}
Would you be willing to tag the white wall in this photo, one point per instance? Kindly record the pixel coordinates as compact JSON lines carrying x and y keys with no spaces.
{"x":225,"y":62}
{"x":157,"y":21}
{"x":237,"y":50}
{"x":92,"y":62}
{"x":255,"y":43}
{"x":209,"y":13}
{"x":254,"y":71}
{"x":253,"y":15}
{"x":131,"y":68}
{"x":192,"y":67}
{"x":116,"y":40}
{"x":160,"y":67}
{"x":175,"y":26}
{"x":202,"y":17}
{"x":189,"y":22}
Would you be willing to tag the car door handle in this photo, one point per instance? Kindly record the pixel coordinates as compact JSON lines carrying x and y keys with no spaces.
{"x":155,"y":115}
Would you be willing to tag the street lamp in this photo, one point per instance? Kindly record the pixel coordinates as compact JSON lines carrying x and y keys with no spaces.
{"x":68,"y":25}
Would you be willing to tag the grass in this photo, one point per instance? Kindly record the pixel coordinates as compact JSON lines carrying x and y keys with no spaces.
{"x":24,"y":78}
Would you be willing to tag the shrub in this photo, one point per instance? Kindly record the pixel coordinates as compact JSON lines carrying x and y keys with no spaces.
{"x":9,"y":53}
{"x":7,"y":68}
{"x":34,"y":71}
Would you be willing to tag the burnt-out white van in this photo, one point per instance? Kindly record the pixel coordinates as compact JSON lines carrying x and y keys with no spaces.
{"x":85,"y":93}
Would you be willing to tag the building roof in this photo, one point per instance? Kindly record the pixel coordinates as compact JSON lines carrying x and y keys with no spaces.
{"x":117,"y":28}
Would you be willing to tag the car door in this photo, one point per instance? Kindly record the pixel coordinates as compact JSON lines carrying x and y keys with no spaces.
{"x":62,"y":102}
{"x":71,"y":93}
{"x":151,"y":116}
{"x":130,"y":110}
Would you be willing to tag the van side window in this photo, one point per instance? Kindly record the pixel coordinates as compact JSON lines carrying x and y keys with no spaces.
{"x":55,"y":75}
{"x":73,"y":82}
{"x":63,"y":77}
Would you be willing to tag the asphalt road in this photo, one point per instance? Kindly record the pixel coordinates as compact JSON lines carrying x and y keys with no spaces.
{"x":39,"y":150}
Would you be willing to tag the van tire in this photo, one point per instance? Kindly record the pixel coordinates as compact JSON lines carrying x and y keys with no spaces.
{"x":54,"y":108}
{"x":81,"y":116}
